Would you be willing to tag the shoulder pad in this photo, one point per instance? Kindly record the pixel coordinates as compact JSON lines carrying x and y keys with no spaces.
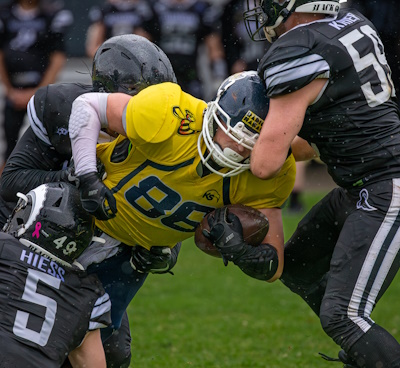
{"x":54,"y":103}
{"x":286,"y":65}
{"x":294,"y":44}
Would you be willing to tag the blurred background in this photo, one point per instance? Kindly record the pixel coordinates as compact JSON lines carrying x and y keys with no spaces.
{"x":203,"y":52}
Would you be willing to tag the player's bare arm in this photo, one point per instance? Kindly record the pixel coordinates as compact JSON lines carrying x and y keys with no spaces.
{"x":90,"y":353}
{"x":302,"y":150}
{"x":279,"y":129}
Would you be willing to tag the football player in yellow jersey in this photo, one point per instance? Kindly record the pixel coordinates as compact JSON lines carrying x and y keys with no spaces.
{"x":176,"y":159}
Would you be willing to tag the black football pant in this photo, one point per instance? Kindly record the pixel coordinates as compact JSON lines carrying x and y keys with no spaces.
{"x":341,"y":259}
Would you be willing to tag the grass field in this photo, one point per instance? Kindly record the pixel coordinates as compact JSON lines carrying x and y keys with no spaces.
{"x":208,"y":315}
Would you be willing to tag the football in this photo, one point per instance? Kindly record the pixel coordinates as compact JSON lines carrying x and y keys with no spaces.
{"x":255,"y":228}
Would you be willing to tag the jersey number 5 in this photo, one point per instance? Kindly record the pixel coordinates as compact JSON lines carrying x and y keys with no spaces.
{"x":377,"y":60}
{"x":30,"y":295}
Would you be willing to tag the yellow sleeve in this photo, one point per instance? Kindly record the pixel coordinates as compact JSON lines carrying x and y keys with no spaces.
{"x":147,"y":114}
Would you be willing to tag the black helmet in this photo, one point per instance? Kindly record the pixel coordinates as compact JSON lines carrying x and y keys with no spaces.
{"x":263,"y":16}
{"x":128,"y":64}
{"x":239,"y":110}
{"x":50,"y":219}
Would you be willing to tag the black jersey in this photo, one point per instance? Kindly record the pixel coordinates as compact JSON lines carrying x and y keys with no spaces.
{"x":355,"y":123}
{"x":126,"y":17}
{"x":49,"y":111}
{"x":46,"y":309}
{"x":28,"y":41}
{"x":183,"y":26}
{"x":44,"y":150}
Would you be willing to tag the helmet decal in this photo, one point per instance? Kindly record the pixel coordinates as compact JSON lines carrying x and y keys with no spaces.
{"x":36,"y":233}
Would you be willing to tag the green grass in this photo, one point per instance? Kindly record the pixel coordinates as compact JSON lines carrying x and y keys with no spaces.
{"x":208,"y":315}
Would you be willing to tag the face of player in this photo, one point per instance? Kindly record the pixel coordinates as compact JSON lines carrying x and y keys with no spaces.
{"x":231,"y":148}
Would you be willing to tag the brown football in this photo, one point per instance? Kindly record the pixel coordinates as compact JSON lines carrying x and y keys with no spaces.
{"x":255,"y":227}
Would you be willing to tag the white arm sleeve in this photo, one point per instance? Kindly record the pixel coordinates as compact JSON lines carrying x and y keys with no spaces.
{"x":88,"y":116}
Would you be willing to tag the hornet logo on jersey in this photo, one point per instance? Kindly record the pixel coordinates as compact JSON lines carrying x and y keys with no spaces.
{"x":187,"y":118}
{"x":363,"y":204}
{"x":211,"y":194}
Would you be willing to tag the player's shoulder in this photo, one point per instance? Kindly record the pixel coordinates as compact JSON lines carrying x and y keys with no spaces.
{"x":159,"y":94}
{"x":166,"y":106}
{"x":7,"y":238}
{"x":49,"y":111}
{"x":52,"y":100}
{"x":310,"y":37}
{"x":10,"y":247}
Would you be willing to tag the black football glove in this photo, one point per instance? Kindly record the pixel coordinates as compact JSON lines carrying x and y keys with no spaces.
{"x":158,"y":259}
{"x":226,"y":233}
{"x":96,"y":198}
{"x":68,"y":175}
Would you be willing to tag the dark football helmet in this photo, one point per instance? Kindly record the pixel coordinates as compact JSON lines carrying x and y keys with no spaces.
{"x":263,"y":16}
{"x":128,"y":64}
{"x":50,"y":220}
{"x":239,"y":110}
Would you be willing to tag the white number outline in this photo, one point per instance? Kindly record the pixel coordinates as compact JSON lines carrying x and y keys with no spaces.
{"x":361,"y":63}
{"x":30,"y":295}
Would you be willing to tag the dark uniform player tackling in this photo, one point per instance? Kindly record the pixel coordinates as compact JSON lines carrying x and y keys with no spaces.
{"x":329,"y":82}
{"x":128,"y":64}
{"x":49,"y":306}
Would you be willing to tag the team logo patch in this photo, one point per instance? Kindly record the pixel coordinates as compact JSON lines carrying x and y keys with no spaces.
{"x":363,"y":204}
{"x":187,"y":118}
{"x":211,"y":195}
{"x":253,"y":122}
{"x":62,"y":131}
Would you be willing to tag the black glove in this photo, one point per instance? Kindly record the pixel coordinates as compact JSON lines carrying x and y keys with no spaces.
{"x":96,"y":198}
{"x":226,"y":233}
{"x":158,"y":259}
{"x":68,"y":175}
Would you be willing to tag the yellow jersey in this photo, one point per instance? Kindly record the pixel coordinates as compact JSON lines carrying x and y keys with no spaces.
{"x":161,"y":197}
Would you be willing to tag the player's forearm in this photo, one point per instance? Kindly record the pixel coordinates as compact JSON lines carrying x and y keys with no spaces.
{"x":275,"y":237}
{"x":14,"y":180}
{"x":90,"y":353}
{"x":88,"y":116}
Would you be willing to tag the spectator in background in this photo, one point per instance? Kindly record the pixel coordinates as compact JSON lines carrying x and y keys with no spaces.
{"x":240,"y":53}
{"x":32,"y":53}
{"x":118,"y":17}
{"x":384,"y":15}
{"x":184,"y":26}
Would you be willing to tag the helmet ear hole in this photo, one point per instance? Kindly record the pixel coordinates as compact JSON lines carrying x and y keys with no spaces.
{"x":57,"y":203}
